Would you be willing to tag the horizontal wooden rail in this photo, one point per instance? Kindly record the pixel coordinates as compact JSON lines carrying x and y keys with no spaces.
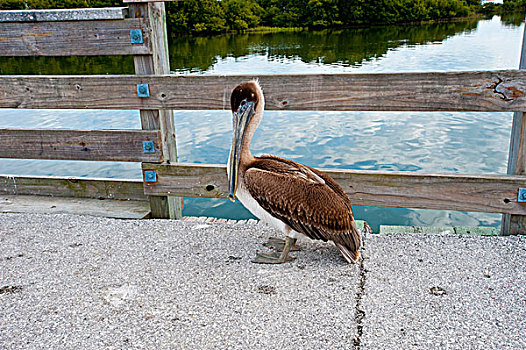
{"x":459,"y":91}
{"x":100,"y":145}
{"x":71,"y":38}
{"x":80,"y":187}
{"x":87,"y":14}
{"x":481,"y":193}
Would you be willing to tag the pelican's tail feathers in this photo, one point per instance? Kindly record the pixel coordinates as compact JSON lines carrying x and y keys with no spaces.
{"x":350,"y":255}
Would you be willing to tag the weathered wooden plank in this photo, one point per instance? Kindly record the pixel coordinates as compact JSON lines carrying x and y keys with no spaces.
{"x":100,"y":145}
{"x":70,"y":38}
{"x":87,"y":14}
{"x":76,"y":206}
{"x":158,"y":64}
{"x":484,"y":193}
{"x":459,"y":91}
{"x":78,"y":187}
{"x":516,"y":224}
{"x":162,"y":120}
{"x":477,"y":231}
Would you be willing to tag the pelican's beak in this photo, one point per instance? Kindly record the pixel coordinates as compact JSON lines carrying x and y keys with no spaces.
{"x":241,"y":119}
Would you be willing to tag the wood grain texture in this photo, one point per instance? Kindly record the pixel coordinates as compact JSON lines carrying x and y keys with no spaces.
{"x":515,"y":224}
{"x":100,"y":145}
{"x":71,"y":38}
{"x":78,"y":187}
{"x":157,"y":63}
{"x":459,"y":91}
{"x":151,"y":119}
{"x":482,"y":193}
{"x":85,"y":14}
{"x":76,"y":206}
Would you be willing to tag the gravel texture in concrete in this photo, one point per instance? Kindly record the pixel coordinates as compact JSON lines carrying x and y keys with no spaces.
{"x":444,"y":292}
{"x":69,"y":282}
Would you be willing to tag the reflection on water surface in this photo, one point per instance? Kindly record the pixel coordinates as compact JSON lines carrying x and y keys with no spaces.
{"x":427,"y":142}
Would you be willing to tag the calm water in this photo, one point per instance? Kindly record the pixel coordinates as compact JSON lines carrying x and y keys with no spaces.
{"x":427,"y":142}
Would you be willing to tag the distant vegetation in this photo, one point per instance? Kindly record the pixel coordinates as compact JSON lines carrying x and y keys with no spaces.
{"x":506,"y":7}
{"x":213,"y":16}
{"x":198,"y":53}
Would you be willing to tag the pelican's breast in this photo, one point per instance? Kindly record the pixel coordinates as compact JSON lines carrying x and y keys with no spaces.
{"x":257,"y":210}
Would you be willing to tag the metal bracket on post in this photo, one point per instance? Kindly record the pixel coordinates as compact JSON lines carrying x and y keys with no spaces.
{"x":521,"y":198}
{"x":150,"y":176}
{"x":143,"y":90}
{"x":136,"y":36}
{"x":148,"y":147}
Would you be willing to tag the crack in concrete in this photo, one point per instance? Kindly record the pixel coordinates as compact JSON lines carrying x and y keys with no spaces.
{"x":502,"y":95}
{"x":359,"y":313}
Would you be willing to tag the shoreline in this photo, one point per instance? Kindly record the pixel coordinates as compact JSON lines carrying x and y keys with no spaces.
{"x":268,"y":29}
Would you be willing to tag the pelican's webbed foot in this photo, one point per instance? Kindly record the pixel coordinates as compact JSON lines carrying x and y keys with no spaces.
{"x":275,"y":257}
{"x":271,"y":258}
{"x":278,"y":244}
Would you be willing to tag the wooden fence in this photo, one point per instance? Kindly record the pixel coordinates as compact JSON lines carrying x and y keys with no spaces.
{"x":140,"y":30}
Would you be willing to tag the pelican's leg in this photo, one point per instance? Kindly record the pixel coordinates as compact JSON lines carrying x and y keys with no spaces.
{"x":276,"y":258}
{"x":278,"y":244}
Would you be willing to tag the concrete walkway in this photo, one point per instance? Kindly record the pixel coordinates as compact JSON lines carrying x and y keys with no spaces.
{"x":71,"y":282}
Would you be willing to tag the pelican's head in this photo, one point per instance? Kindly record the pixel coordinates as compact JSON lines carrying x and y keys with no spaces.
{"x":247,"y":103}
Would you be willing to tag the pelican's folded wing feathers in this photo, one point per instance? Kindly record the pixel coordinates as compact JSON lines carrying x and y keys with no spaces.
{"x":307,"y":200}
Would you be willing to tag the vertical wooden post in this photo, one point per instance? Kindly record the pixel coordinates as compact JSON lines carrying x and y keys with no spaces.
{"x":158,"y":63}
{"x":516,"y":224}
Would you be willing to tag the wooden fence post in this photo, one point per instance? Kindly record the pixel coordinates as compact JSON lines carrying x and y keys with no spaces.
{"x":516,"y":224}
{"x":158,"y":63}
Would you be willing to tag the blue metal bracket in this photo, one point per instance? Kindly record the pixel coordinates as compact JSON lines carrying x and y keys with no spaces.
{"x":143,"y":90}
{"x":150,"y":176}
{"x":148,"y":147}
{"x":522,"y":195}
{"x":136,"y":36}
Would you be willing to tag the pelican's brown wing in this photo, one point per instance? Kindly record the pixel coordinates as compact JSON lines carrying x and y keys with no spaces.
{"x":306,"y":199}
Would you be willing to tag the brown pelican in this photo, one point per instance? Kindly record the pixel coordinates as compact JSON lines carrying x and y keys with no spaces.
{"x":291,"y":197}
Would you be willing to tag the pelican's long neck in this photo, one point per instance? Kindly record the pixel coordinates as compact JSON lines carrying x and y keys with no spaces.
{"x":246,"y":154}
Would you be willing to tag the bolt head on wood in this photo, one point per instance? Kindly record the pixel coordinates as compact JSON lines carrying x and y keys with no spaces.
{"x":136,"y":36}
{"x":150,"y":176}
{"x":148,"y":147}
{"x":143,"y":90}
